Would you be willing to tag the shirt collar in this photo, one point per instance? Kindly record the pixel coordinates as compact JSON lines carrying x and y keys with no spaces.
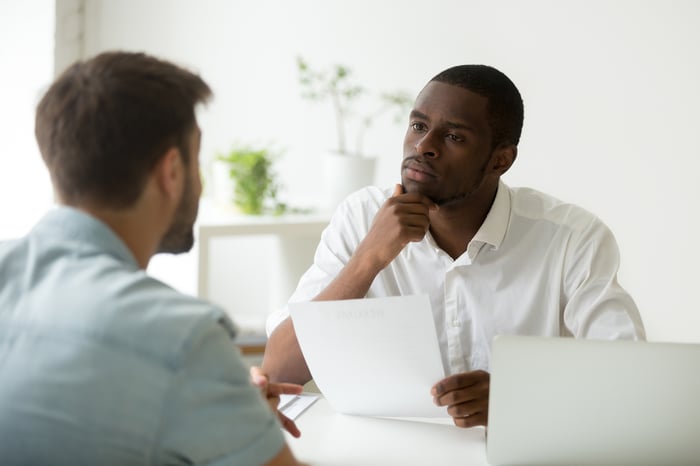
{"x":71,"y":224}
{"x":493,"y":230}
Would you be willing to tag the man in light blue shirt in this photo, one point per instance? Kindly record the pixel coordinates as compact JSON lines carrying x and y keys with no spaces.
{"x":100,"y":363}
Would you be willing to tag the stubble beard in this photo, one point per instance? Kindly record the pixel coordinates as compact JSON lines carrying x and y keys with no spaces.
{"x":180,"y":235}
{"x":460,"y":197}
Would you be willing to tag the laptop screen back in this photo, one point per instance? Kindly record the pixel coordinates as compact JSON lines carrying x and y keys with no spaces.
{"x":572,"y":401}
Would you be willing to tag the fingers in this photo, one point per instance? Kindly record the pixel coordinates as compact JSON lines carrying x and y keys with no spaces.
{"x":470,"y":408}
{"x":403,"y":218}
{"x":411,"y":208}
{"x":479,"y":419}
{"x":470,"y":413}
{"x":458,"y":381}
{"x":289,"y":425}
{"x":429,"y":203}
{"x":276,"y":389}
{"x":416,"y":199}
{"x":463,"y":395}
{"x":415,"y":220}
{"x":408,"y":213}
{"x":258,"y":377}
{"x":272,"y":392}
{"x":466,"y":396}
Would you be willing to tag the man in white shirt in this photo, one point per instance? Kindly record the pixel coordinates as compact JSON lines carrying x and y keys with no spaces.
{"x":493,"y":259}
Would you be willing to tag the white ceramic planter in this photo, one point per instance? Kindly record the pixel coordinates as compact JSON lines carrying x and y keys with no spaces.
{"x":344,"y":174}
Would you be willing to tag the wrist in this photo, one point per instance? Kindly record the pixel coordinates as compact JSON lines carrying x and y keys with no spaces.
{"x":367,"y":264}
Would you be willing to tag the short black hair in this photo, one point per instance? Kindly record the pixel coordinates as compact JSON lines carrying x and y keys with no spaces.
{"x":505,"y":105}
{"x":105,"y":123}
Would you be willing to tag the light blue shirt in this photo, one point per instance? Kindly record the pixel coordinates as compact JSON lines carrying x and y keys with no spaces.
{"x":101,"y":364}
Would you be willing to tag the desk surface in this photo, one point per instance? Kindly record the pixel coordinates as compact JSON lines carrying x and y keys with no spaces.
{"x":329,"y":438}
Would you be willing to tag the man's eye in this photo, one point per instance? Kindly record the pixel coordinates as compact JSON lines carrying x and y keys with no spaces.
{"x":454,"y":137}
{"x":417,"y":126}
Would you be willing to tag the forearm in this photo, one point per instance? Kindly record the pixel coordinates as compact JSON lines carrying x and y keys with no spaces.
{"x":353,"y":282}
{"x":283,"y":360}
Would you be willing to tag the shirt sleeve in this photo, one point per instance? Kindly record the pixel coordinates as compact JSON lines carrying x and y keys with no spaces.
{"x":597,"y":306}
{"x":213,"y":414}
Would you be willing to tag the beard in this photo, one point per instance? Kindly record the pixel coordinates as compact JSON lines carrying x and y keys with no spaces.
{"x":446,"y":201}
{"x":460,"y":196}
{"x":180,"y":235}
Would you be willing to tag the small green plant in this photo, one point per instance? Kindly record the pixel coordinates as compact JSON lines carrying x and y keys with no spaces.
{"x":336,"y":83}
{"x":254,"y":180}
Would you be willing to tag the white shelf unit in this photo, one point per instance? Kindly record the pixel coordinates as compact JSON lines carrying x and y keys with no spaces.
{"x":250,"y":265}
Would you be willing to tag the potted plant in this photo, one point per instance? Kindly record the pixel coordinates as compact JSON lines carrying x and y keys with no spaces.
{"x":255,"y":184}
{"x":348,"y":167}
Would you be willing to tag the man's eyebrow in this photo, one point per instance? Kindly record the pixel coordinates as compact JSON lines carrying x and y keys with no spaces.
{"x":450,"y":124}
{"x":455,"y":125}
{"x":417,"y":114}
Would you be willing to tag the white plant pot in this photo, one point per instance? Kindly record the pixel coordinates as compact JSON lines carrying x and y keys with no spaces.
{"x":344,"y":174}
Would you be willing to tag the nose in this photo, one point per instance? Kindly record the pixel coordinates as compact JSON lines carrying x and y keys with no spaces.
{"x":426,"y":145}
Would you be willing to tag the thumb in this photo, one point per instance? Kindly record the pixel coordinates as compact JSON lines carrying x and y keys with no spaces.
{"x":258,"y":377}
{"x":398,"y":189}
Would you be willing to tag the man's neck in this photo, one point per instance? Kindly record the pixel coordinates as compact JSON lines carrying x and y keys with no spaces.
{"x":134,"y":229}
{"x":454,"y":226}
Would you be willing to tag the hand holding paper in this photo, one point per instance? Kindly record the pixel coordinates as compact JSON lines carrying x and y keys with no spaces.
{"x":374,"y":357}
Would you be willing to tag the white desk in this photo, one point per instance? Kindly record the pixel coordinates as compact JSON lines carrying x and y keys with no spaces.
{"x":329,"y":438}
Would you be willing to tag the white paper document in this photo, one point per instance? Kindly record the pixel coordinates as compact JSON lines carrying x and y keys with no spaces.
{"x":293,"y":405}
{"x":373,"y":357}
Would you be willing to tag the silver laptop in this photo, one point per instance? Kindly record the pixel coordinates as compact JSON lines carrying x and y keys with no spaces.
{"x":573,"y":402}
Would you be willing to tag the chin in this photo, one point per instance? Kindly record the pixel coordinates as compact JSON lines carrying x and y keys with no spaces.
{"x":177,"y":243}
{"x":413,"y":187}
{"x":410,"y":186}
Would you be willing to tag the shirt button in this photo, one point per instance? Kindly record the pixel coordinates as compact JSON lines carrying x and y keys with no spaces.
{"x":455,"y":323}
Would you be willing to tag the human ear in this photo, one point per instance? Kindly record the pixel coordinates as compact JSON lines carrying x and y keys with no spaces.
{"x":503,"y":158}
{"x":169,"y":173}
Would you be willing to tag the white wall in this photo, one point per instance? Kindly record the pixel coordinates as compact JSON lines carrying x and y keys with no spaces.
{"x":26,"y":68}
{"x":610,"y":90}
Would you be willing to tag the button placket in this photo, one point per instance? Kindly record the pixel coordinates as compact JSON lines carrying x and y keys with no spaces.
{"x":457,"y":358}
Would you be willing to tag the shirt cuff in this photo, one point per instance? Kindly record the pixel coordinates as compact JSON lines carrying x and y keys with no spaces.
{"x":276,"y":318}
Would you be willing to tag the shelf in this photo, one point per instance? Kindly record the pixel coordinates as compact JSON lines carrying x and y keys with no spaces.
{"x":250,"y":265}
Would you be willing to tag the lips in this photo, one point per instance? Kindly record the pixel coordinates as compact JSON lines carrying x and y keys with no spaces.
{"x":417,"y":171}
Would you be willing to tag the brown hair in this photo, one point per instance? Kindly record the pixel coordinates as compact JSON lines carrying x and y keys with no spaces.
{"x":105,"y":122}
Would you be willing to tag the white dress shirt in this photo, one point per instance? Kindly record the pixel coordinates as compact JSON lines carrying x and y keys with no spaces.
{"x":537,"y":266}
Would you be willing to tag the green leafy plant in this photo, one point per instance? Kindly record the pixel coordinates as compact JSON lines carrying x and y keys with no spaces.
{"x":255,"y":182}
{"x":337,"y":84}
